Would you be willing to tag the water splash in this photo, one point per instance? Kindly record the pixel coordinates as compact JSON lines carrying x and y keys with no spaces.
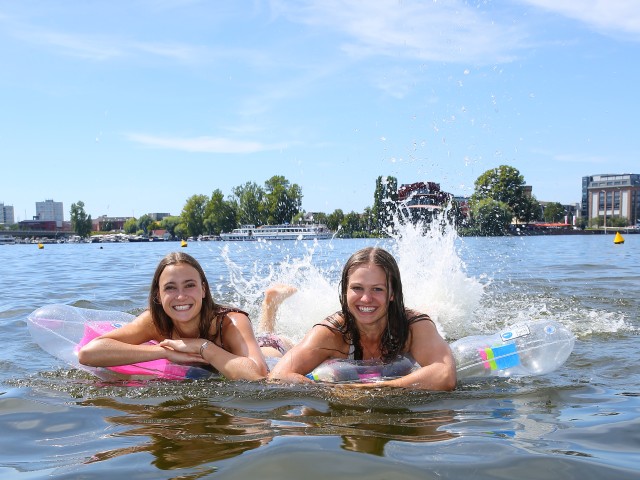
{"x":294,"y":263}
{"x":500,"y":291}
{"x":500,"y":308}
{"x":433,"y":274}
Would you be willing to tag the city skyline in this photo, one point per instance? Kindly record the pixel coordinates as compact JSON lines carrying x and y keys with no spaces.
{"x":39,"y":205}
{"x":134,"y":107}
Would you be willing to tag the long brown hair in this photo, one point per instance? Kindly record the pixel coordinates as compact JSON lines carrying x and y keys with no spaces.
{"x":161,"y":320}
{"x":397,"y":332}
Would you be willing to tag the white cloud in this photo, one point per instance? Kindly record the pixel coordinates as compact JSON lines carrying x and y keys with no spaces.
{"x":73,"y":45}
{"x":611,"y":16}
{"x":203,"y":144}
{"x":104,"y":47}
{"x":451,"y":31}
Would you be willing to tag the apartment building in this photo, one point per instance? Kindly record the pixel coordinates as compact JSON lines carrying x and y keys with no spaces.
{"x":6,"y":214}
{"x":607,"y":196}
{"x":48,"y":211}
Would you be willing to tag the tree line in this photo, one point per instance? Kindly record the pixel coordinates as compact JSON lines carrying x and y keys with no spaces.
{"x":499,"y":198}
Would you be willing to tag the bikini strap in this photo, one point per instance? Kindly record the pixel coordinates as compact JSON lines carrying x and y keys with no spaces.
{"x":335,"y":321}
{"x":221,"y":314}
{"x":413,"y":317}
{"x":337,"y":326}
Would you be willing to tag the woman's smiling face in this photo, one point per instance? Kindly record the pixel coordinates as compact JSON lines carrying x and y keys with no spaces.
{"x":368,"y":294}
{"x":181,"y":292}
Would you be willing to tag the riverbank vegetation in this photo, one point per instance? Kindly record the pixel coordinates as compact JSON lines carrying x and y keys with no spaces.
{"x":500,"y":204}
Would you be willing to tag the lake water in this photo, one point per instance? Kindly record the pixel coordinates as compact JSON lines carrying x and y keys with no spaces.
{"x":580,"y":421}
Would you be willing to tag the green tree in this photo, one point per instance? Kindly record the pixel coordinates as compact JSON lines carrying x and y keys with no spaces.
{"x":319,"y":217}
{"x":298,"y":217}
{"x":554,"y":212}
{"x":193,"y":215}
{"x":80,"y":222}
{"x":181,"y":231}
{"x":491,"y":217}
{"x":220,"y":214}
{"x":505,"y":184}
{"x":351,"y":225}
{"x":595,"y":222}
{"x":617,"y":222}
{"x":368,"y":221}
{"x":250,"y":207}
{"x":130,"y":226}
{"x":144,"y":223}
{"x":283,"y":200}
{"x":334,"y":220}
{"x":582,"y":223}
{"x":385,"y":198}
{"x":155,"y":225}
{"x":531,"y":210}
{"x":169,"y":224}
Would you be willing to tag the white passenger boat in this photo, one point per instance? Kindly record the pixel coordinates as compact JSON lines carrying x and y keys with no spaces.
{"x":7,"y":240}
{"x":278,"y":232}
{"x":242,"y":234}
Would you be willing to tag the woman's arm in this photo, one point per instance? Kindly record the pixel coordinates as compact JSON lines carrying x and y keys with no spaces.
{"x":318,"y":345}
{"x":432,"y":352}
{"x":242,"y":361}
{"x":124,"y":345}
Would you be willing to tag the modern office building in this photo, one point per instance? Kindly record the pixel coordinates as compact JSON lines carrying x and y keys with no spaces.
{"x":50,"y":211}
{"x":6,"y":214}
{"x":609,"y":196}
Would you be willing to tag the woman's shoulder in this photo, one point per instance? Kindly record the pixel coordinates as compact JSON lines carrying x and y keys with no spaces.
{"x":222,"y":310}
{"x":335,"y":322}
{"x":144,"y":320}
{"x":414,"y":316}
{"x":329,"y":335}
{"x":140,"y":330}
{"x":226,"y":317}
{"x":333,"y":334}
{"x":227,"y":314}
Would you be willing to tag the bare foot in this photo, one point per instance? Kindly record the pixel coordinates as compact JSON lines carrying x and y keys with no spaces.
{"x":273,"y":297}
{"x":275,"y":294}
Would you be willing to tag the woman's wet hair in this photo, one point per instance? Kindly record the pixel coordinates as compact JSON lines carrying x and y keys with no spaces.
{"x":397,"y":332}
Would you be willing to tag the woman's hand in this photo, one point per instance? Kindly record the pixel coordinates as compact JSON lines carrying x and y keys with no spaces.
{"x":184,"y":350}
{"x":315,"y":348}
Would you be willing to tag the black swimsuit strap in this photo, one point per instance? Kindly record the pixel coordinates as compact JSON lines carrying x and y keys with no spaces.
{"x":337,"y":325}
{"x":221,"y":314}
{"x":419,"y":318}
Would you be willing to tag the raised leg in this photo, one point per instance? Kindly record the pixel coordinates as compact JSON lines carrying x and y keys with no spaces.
{"x":273,"y":297}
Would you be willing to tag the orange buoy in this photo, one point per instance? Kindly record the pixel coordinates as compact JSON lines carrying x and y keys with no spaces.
{"x":618,"y":239}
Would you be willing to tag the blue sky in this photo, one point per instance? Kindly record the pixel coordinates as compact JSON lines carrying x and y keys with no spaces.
{"x":134,"y":106}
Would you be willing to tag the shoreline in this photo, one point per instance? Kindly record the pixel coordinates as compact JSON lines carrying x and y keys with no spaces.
{"x":609,"y":231}
{"x":22,"y":238}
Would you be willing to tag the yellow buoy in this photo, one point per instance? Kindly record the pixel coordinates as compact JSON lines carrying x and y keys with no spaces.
{"x":618,"y":238}
{"x":40,"y":246}
{"x":184,"y":243}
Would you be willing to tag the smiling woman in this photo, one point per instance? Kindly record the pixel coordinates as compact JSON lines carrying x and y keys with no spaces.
{"x":373,"y":325}
{"x":185,"y":325}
